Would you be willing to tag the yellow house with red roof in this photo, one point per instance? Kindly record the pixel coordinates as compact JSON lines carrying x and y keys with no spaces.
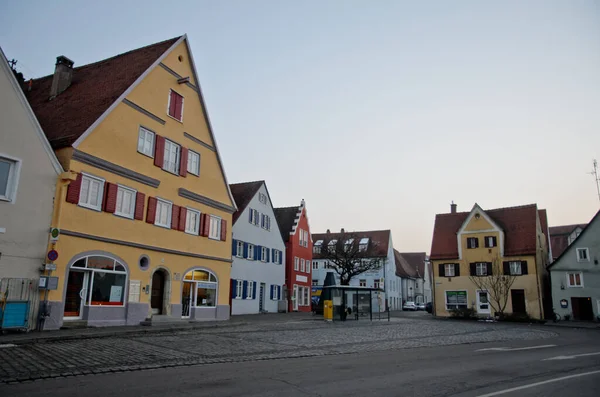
{"x":144,"y":209}
{"x":471,"y":250}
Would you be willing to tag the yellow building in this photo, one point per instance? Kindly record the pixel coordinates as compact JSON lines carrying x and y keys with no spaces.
{"x":471,"y":247}
{"x":144,"y":209}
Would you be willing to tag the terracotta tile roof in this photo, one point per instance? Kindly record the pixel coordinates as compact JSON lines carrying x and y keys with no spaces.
{"x":403,"y":268}
{"x":243,"y":194}
{"x":559,"y":238}
{"x":566,"y":231}
{"x":415,"y":261}
{"x":382,"y":237}
{"x":286,"y":218}
{"x":519,"y":225}
{"x":93,"y":89}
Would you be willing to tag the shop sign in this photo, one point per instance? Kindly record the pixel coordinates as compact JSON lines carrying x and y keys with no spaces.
{"x":564,"y":303}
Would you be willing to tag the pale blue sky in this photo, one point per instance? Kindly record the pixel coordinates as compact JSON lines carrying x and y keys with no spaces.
{"x":378,"y":113}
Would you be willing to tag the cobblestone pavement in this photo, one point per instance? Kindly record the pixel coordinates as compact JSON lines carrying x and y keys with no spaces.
{"x":261,"y":341}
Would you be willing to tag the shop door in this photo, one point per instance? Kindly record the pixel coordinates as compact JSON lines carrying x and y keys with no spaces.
{"x":261,"y":298}
{"x":517,"y":296}
{"x":76,"y":293}
{"x":158,"y":286}
{"x":186,"y":299}
{"x":483,"y":303}
{"x":582,"y":309}
{"x":295,"y":298}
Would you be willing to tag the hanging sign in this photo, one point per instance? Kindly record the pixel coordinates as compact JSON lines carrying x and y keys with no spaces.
{"x":53,"y":255}
{"x":54,"y":233}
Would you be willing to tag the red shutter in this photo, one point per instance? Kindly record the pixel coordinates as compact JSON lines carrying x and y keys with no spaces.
{"x":183,"y":161}
{"x":151,"y":213}
{"x":110,"y":204}
{"x":140,"y":199}
{"x":73,"y":190}
{"x":182,"y":218}
{"x":159,"y":151}
{"x":175,"y":217}
{"x":178,"y":111}
{"x":201,"y":228}
{"x":172,"y":103}
{"x":205,"y":225}
{"x":223,"y":230}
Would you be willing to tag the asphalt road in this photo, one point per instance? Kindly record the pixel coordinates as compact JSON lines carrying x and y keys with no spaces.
{"x":565,"y":365}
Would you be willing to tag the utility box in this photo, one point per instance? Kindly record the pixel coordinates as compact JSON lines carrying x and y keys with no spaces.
{"x":328,"y":310}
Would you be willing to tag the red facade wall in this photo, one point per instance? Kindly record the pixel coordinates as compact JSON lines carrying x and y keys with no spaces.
{"x":293,"y":277}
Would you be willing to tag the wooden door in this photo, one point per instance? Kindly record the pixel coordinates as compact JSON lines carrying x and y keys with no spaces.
{"x":518,"y":301}
{"x":575,"y":307}
{"x":158,"y":287}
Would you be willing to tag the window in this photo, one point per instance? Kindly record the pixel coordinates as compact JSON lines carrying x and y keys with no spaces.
{"x":331,"y":246}
{"x":472,"y":242}
{"x":92,"y":191}
{"x":515,"y":268}
{"x":315,"y":265}
{"x":456,"y":300}
{"x":275,"y":292}
{"x":449,"y":270}
{"x":317,"y":247}
{"x":481,"y":269}
{"x":254,"y":214}
{"x":575,"y":279}
{"x":192,"y":222}
{"x":296,"y":263}
{"x":163,"y":213}
{"x":265,"y":222}
{"x":239,"y":289}
{"x":583,"y":255}
{"x":250,"y":252}
{"x":215,"y":228}
{"x":262,"y":198}
{"x":302,"y":265}
{"x":125,"y":202}
{"x":276,"y":256}
{"x":193,"y":165}
{"x":362,"y":282}
{"x":106,"y":282}
{"x":9,"y":175}
{"x":363,"y":244}
{"x":250,"y":290}
{"x":263,"y":254}
{"x":375,"y":283}
{"x":146,"y":142}
{"x":315,"y":282}
{"x":175,"y":106}
{"x":240,"y":249}
{"x":303,"y":238}
{"x":306,"y":296}
{"x":490,"y":241}
{"x":171,"y":160}
{"x":200,"y":290}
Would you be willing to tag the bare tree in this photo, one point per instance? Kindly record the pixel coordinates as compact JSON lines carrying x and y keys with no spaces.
{"x":348,"y":257}
{"x":493,"y":279}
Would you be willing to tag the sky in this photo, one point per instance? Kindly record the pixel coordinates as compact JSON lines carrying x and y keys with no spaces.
{"x":378,"y":113}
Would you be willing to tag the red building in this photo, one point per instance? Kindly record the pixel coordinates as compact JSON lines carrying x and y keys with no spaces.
{"x":293,"y":224}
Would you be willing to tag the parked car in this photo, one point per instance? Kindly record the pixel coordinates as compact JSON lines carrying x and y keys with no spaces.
{"x":409,"y":306}
{"x":421,"y":306}
{"x":429,"y":307}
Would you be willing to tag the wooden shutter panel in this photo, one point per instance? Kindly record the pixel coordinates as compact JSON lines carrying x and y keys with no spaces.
{"x":233,"y":247}
{"x":172,"y":103}
{"x":178,"y":106}
{"x":183,"y":160}
{"x":110,"y":204}
{"x":506,"y":268}
{"x":140,"y":199}
{"x":442,"y":270}
{"x":151,"y":213}
{"x":245,"y":250}
{"x":272,"y":289}
{"x":254,"y":290}
{"x":204,"y":225}
{"x":159,"y":151}
{"x":268,"y":255}
{"x":476,"y":242}
{"x":73,"y":190}
{"x":473,"y":267}
{"x":182,"y":218}
{"x":490,"y":269}
{"x":457,"y":269}
{"x":223,"y":230}
{"x":279,"y":292}
{"x":245,"y":290}
{"x":495,"y":241}
{"x":524,"y":267}
{"x":280,"y":257}
{"x":485,"y":242}
{"x":175,"y":217}
{"x":234,"y":288}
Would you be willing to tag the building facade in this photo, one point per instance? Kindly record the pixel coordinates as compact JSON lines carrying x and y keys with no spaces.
{"x":483,"y":242}
{"x":561,"y":237}
{"x":575,"y":274}
{"x":412,"y":267}
{"x":145,"y":212}
{"x":258,"y":252}
{"x":295,"y":231}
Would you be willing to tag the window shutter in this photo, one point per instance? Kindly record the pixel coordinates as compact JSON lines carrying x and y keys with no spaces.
{"x":110,"y":204}
{"x":273,"y":254}
{"x":524,"y":267}
{"x":457,"y":269}
{"x":234,"y":289}
{"x":506,"y":268}
{"x":245,"y":290}
{"x":272,"y":288}
{"x":473,"y":267}
{"x":280,"y":257}
{"x":257,"y":252}
{"x":278,"y":292}
{"x":204,"y":225}
{"x":233,"y":247}
{"x":175,"y":217}
{"x":140,"y":199}
{"x":441,"y":269}
{"x":245,"y":250}
{"x":183,"y":160}
{"x":178,"y":106}
{"x":268,"y":255}
{"x":254,"y":290}
{"x":490,"y":269}
{"x":476,"y":242}
{"x":151,"y":213}
{"x":495,"y":241}
{"x":223,"y":230}
{"x":73,"y":190}
{"x":250,"y":215}
{"x":172,"y":103}
{"x":485,"y":242}
{"x":159,"y":151}
{"x":182,"y":218}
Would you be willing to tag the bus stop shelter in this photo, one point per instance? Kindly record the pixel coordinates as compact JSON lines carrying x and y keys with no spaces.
{"x":354,"y":303}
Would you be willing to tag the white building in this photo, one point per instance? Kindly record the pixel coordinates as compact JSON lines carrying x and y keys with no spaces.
{"x":258,"y":252}
{"x":384,"y":277}
{"x":413,"y":268}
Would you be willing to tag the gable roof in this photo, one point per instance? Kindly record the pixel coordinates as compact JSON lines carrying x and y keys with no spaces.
{"x":94,"y":88}
{"x":243,"y":194}
{"x":518,"y":223}
{"x":596,"y":218}
{"x":416,"y":262}
{"x":559,"y":237}
{"x":34,"y":121}
{"x":403,"y":268}
{"x":286,"y":218}
{"x":381,"y":237}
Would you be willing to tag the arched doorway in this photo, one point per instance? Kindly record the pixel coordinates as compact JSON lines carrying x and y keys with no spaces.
{"x":157,"y":296}
{"x":199,"y":292}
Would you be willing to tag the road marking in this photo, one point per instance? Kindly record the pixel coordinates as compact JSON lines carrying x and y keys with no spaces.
{"x":571,"y":357}
{"x":497,"y":393}
{"x":512,"y":349}
{"x":7,"y":345}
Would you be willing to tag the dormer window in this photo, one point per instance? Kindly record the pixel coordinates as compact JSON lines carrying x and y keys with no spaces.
{"x":317,"y":247}
{"x":348,"y":244}
{"x":363,"y":244}
{"x":472,"y":242}
{"x":331,"y":245}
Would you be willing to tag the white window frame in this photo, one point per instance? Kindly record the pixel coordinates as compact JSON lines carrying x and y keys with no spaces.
{"x":240,"y":249}
{"x":296,"y":263}
{"x":587,"y":254}
{"x":479,"y":266}
{"x":448,"y":266}
{"x":239,"y":289}
{"x":146,"y":133}
{"x":302,"y":265}
{"x":121,"y":189}
{"x":262,"y":198}
{"x":250,"y":290}
{"x":169,"y":213}
{"x":263,"y":254}
{"x":276,"y":255}
{"x":167,"y":155}
{"x":462,"y":305}
{"x":490,"y":241}
{"x":91,"y":179}
{"x":469,"y":239}
{"x":514,"y":266}
{"x":580,"y":279}
{"x":196,"y":229}
{"x":192,"y":154}
{"x":211,"y":233}
{"x":169,"y":105}
{"x":362,"y":282}
{"x":12,"y":183}
{"x":315,"y":265}
{"x":250,"y":252}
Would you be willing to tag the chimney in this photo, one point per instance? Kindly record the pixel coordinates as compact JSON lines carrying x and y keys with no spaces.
{"x":63,"y":74}
{"x":328,"y":231}
{"x":453,"y":208}
{"x":342,"y":230}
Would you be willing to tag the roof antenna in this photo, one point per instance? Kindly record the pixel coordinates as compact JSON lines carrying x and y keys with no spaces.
{"x":596,"y":177}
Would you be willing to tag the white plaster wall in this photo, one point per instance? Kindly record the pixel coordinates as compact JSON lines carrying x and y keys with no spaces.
{"x":261,"y":272}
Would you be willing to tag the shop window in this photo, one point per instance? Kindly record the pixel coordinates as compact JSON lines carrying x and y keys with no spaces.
{"x":203,"y":289}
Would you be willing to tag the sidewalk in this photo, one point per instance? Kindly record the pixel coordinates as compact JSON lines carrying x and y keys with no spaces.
{"x":575,"y":324}
{"x":103,"y":332}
